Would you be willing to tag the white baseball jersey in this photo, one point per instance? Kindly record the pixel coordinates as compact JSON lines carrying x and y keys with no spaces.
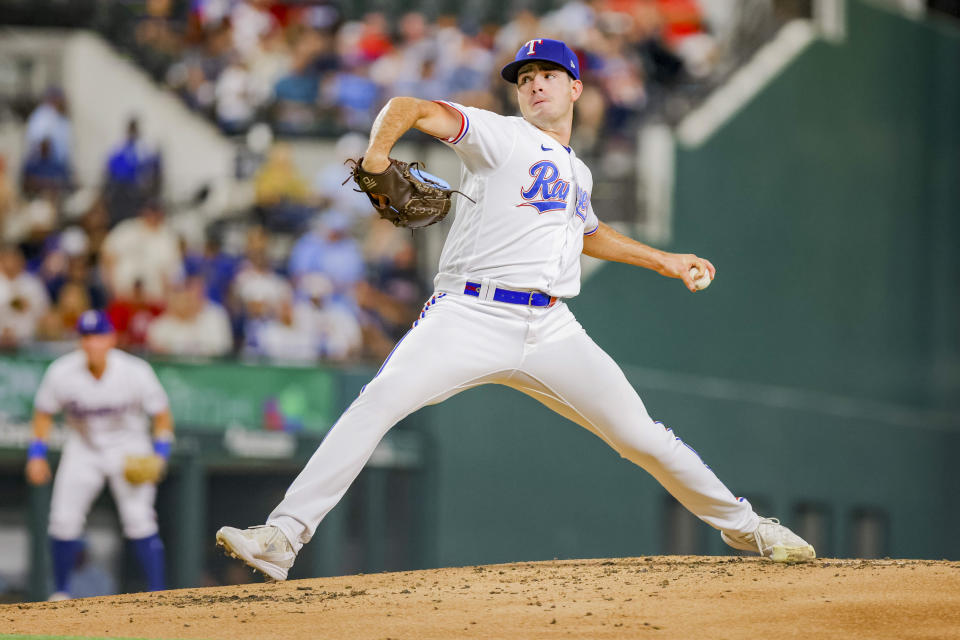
{"x":532,"y":209}
{"x":106,"y":411}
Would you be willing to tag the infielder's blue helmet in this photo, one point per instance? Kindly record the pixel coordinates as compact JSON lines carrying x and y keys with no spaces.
{"x":555,"y":51}
{"x":93,"y":322}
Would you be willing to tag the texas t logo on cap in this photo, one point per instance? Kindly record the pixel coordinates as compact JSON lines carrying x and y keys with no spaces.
{"x":546,"y":50}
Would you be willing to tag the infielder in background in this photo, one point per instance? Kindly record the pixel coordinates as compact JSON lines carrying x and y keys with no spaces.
{"x":105,"y":395}
{"x":498,"y":314}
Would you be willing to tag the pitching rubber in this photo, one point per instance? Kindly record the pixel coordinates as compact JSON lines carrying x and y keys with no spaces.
{"x":783,"y":553}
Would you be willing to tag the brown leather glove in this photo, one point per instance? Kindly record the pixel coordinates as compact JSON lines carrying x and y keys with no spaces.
{"x":141,"y":469}
{"x":403,"y":194}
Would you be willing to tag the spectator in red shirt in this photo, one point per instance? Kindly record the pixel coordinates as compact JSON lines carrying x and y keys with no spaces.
{"x":131,"y":316}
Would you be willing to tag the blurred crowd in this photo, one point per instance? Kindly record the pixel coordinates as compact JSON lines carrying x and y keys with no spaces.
{"x":309,"y":274}
{"x":303,"y":68}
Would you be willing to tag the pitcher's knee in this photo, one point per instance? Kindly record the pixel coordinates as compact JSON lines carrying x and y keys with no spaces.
{"x":643,"y":443}
{"x":638,"y":450}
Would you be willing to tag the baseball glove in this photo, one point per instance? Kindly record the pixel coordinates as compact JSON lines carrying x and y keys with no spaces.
{"x":141,"y":469}
{"x":404,"y":194}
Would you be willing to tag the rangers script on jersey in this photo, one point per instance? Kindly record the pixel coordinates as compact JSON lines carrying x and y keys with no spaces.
{"x":532,"y":208}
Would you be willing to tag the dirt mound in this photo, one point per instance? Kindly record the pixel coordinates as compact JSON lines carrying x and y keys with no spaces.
{"x":656,"y":597}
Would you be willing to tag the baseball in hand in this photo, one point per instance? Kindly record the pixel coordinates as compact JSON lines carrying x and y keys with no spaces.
{"x":701,"y":277}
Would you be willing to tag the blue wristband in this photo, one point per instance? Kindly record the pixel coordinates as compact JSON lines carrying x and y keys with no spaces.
{"x":37,"y":449}
{"x":162,"y":448}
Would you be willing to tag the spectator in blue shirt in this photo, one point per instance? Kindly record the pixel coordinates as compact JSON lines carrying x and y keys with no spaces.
{"x":355,"y":96}
{"x":44,"y":172}
{"x":217,"y":267}
{"x":134,"y":175}
{"x":132,"y":161}
{"x":296,"y":92}
{"x":329,"y":249}
{"x":49,"y":122}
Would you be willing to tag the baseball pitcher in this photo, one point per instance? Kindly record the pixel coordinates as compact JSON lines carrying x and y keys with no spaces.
{"x":105,"y":395}
{"x":498,"y":313}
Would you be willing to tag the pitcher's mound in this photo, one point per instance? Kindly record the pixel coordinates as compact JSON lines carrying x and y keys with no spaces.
{"x":657,"y":597}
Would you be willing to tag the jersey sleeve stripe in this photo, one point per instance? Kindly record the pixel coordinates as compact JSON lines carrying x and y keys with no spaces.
{"x":464,"y":123}
{"x":595,"y":229}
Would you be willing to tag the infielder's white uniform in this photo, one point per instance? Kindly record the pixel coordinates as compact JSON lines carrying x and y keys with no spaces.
{"x":108,"y":422}
{"x":523,"y":233}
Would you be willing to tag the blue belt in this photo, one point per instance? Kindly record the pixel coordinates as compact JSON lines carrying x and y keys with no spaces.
{"x":529,"y":298}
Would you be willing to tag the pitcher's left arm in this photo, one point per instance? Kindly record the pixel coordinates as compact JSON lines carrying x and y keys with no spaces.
{"x":608,"y":244}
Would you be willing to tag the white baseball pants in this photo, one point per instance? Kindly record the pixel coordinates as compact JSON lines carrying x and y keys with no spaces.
{"x":461,"y":342}
{"x":80,"y":477}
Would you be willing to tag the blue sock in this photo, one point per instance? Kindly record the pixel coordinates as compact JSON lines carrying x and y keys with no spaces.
{"x":64,"y":554}
{"x":150,"y":553}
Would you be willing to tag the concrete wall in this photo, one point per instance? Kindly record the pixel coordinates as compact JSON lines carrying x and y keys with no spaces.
{"x":105,"y":90}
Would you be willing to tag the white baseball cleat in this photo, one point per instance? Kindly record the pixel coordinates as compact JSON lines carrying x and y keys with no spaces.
{"x":772,"y":540}
{"x":58,"y":596}
{"x":263,"y":547}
